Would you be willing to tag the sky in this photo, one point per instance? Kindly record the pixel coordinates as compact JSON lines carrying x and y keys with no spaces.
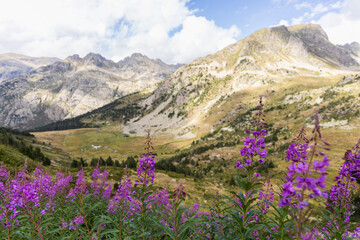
{"x":175,"y":31}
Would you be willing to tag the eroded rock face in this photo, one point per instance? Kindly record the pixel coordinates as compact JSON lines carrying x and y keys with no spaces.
{"x":317,"y":42}
{"x":353,"y":47}
{"x":68,"y":88}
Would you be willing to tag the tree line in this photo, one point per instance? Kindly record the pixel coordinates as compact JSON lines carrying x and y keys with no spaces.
{"x":7,"y":137}
{"x":130,"y":162}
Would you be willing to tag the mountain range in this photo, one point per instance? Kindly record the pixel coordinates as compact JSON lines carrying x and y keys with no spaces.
{"x":198,"y":113}
{"x":38,"y":91}
{"x":265,"y":58}
{"x":13,"y":65}
{"x":211,"y":91}
{"x":85,"y":91}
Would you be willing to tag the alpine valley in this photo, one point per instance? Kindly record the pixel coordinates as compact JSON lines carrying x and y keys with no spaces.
{"x":92,"y":108}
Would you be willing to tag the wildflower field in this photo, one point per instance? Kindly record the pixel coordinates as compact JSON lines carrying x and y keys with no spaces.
{"x":36,"y":205}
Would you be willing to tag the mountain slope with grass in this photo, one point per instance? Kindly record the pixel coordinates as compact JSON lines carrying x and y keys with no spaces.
{"x":211,"y":91}
{"x":269,"y":58}
{"x":200,"y":114}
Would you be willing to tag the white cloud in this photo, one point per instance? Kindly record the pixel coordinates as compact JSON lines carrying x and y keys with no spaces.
{"x":319,"y":8}
{"x":343,"y":26}
{"x":283,"y":22}
{"x":302,"y":5}
{"x":299,"y":20}
{"x":114,"y":28}
{"x":199,"y":36}
{"x":336,"y":5}
{"x":339,"y":19}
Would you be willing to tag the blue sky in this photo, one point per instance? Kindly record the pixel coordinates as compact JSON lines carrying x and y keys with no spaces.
{"x":251,"y":16}
{"x":176,"y":31}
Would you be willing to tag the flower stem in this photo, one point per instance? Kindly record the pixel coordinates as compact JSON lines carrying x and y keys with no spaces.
{"x":302,"y":218}
{"x":33,"y":219}
{"x":82,"y":210}
{"x":8,"y":231}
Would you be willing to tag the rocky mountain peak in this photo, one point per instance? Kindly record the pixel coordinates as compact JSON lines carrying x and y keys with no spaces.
{"x":137,"y":55}
{"x":317,"y":43}
{"x":280,"y":30}
{"x":140,"y":60}
{"x":135,"y":58}
{"x":309,"y":32}
{"x":73,"y":58}
{"x":70,"y":87}
{"x":94,"y":58}
{"x":353,"y":47}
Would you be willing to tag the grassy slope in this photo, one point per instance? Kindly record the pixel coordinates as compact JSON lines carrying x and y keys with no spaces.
{"x":288,"y":120}
{"x":13,"y":159}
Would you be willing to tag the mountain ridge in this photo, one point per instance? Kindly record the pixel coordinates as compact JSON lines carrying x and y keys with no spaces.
{"x":263,"y":58}
{"x":182,"y":103}
{"x":71,"y":87}
{"x":12,"y":64}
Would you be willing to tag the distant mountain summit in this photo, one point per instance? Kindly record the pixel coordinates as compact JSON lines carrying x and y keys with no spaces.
{"x":317,"y":43}
{"x":12,"y":65}
{"x":353,"y":48}
{"x":45,"y":90}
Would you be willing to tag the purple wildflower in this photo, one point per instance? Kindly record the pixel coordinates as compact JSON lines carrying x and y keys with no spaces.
{"x":123,"y":194}
{"x":80,"y":186}
{"x":146,"y":169}
{"x":341,"y":194}
{"x":306,"y":176}
{"x":305,"y":180}
{"x":254,"y":145}
{"x":179,"y":193}
{"x":266,"y":195}
{"x":99,"y":184}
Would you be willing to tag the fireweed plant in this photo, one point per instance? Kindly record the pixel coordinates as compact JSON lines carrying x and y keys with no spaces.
{"x":245,"y":213}
{"x":306,"y":177}
{"x":340,"y":197}
{"x":35,"y":205}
